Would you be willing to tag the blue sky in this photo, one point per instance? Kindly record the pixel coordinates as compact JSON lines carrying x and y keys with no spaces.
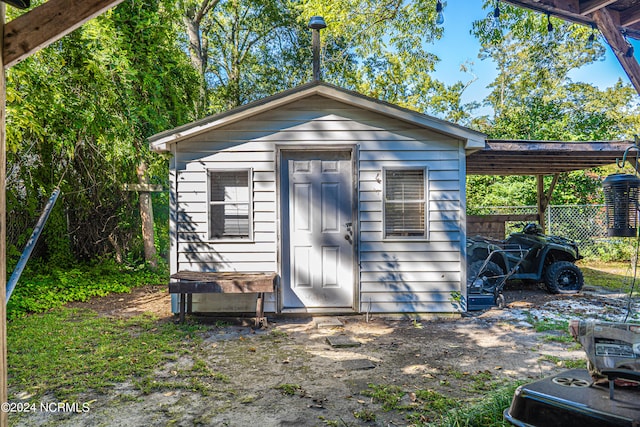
{"x":458,"y":46}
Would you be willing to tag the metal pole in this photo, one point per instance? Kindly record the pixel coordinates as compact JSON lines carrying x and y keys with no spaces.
{"x":31,"y":243}
{"x":315,"y":45}
{"x":316,"y":24}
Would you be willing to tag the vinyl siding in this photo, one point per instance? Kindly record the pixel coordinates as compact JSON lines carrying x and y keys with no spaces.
{"x":394,"y":275}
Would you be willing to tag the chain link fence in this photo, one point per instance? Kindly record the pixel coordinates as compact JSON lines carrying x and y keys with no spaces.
{"x":585,"y":224}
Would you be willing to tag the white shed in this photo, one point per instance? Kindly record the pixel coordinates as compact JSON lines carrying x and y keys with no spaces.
{"x":356,"y":204}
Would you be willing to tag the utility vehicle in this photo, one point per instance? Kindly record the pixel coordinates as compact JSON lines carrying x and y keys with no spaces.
{"x":529,"y":256}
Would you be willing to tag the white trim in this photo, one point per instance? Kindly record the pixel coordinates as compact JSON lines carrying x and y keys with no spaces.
{"x":251,"y":236}
{"x":473,"y":139}
{"x":463,"y":230}
{"x":425,"y":236}
{"x":281,"y":151}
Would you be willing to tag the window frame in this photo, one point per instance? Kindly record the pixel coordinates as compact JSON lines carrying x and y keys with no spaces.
{"x":249,"y":237}
{"x":424,"y":201}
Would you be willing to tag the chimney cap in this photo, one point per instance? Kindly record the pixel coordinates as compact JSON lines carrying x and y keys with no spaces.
{"x":317,"y":23}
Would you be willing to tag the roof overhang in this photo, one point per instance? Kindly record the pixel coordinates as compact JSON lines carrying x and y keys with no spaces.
{"x":161,"y":142}
{"x":503,"y":157}
{"x":614,"y":18}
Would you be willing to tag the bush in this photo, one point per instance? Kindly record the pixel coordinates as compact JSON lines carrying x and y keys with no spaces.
{"x":610,"y":250}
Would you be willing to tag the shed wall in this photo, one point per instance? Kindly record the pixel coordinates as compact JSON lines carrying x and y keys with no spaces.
{"x":395,"y":275}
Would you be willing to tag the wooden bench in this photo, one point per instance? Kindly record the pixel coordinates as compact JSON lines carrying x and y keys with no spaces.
{"x":186,"y":283}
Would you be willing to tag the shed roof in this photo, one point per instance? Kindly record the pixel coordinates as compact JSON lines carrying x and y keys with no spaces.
{"x":509,"y":157}
{"x":474,"y":140}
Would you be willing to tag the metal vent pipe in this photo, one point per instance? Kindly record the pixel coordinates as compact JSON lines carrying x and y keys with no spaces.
{"x":316,"y":24}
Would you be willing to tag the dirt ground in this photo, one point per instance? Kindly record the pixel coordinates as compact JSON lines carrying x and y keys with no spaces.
{"x":299,"y":372}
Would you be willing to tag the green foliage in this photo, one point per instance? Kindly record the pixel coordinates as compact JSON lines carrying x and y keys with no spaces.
{"x":613,"y":276}
{"x":387,"y":395}
{"x":534,"y":98}
{"x":289,"y":389}
{"x":486,"y":413}
{"x":549,"y":325}
{"x":365,"y":415}
{"x":46,"y":289}
{"x":565,"y":363}
{"x":78,"y":114}
{"x":610,"y":250}
{"x":66,"y":352}
{"x":372,"y":47}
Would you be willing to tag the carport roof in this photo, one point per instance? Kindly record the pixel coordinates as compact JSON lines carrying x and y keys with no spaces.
{"x":509,"y":157}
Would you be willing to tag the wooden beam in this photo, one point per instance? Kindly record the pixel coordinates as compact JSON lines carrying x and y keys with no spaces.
{"x":630,"y":16}
{"x":609,"y":29}
{"x":4,"y":395}
{"x":144,"y":187}
{"x":539,"y":197}
{"x":47,"y":23}
{"x":590,"y":6}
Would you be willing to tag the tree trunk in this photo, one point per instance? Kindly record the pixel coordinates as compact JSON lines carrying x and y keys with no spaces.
{"x":146,"y":215}
{"x":199,"y":47}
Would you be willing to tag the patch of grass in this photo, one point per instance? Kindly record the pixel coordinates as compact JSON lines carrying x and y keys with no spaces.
{"x":566,"y":363}
{"x":415,"y":406}
{"x":575,"y":347}
{"x":38,"y":292}
{"x":458,"y":375}
{"x":289,"y":389}
{"x":550,"y":358}
{"x":277,"y":333}
{"x":199,"y":385}
{"x":575,"y":363}
{"x":388,"y":395}
{"x":332,"y":423}
{"x":432,"y":401}
{"x":613,"y":276}
{"x":365,"y":415}
{"x":201,"y":369}
{"x":548,"y":325}
{"x":66,"y":352}
{"x":486,"y":413}
{"x":482,"y":381}
{"x":564,"y":338}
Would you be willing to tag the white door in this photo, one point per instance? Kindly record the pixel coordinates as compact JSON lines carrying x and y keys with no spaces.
{"x":317,"y":227}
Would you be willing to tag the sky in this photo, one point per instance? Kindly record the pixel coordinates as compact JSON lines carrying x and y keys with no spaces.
{"x":458,"y":46}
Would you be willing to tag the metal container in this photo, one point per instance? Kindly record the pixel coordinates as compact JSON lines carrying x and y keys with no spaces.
{"x":621,"y":198}
{"x":571,"y":399}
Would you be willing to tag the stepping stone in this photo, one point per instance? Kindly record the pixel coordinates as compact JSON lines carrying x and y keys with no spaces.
{"x":328,"y":322}
{"x":358,"y":364}
{"x":341,"y":341}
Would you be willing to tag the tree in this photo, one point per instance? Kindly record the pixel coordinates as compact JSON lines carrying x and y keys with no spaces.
{"x":373,"y":47}
{"x":534,"y":98}
{"x":248,"y":49}
{"x":242,"y":49}
{"x":78,"y":114}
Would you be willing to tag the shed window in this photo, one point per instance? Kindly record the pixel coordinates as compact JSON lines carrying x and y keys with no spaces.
{"x":230,"y":204}
{"x":405,"y":203}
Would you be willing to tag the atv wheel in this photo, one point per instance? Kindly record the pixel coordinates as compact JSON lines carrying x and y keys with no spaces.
{"x":492,"y":272}
{"x":563,"y":277}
